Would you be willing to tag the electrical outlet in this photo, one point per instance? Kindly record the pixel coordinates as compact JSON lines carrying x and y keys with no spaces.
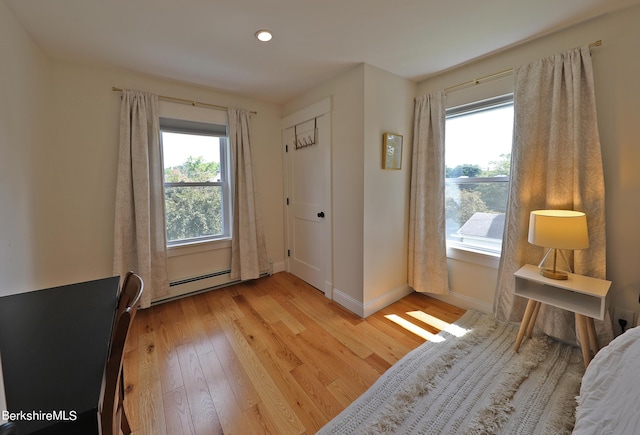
{"x":626,"y":315}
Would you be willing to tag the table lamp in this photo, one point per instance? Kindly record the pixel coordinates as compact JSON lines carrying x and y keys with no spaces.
{"x":557,"y":230}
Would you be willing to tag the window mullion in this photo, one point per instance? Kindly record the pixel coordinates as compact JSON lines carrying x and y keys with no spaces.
{"x":192,"y":183}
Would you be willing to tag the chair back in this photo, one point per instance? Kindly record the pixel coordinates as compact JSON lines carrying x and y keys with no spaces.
{"x":131,"y":292}
{"x":8,"y":428}
{"x":111,"y":403}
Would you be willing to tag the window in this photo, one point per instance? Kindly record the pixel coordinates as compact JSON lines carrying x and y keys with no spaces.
{"x":477,"y":161}
{"x":196,"y":181}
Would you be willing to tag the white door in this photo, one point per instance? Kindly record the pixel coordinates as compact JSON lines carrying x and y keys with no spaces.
{"x":308,"y":187}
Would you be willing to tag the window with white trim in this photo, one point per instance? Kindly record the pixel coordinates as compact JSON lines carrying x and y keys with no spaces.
{"x":478,"y":143}
{"x":196,"y":176}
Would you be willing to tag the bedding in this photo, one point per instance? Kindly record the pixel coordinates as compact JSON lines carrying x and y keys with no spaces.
{"x":610,"y":389}
{"x":468,"y":380}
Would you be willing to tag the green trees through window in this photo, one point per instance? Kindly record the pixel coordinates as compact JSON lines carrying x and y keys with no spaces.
{"x":196,"y":188}
{"x":475,"y":194}
{"x":478,"y":158}
{"x":193,"y":211}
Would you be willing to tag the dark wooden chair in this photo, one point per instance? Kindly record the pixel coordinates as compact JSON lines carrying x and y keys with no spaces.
{"x":8,"y":428}
{"x":112,"y":415}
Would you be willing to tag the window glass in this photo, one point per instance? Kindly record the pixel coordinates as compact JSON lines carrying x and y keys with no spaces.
{"x":477,"y":161}
{"x":196,"y":185}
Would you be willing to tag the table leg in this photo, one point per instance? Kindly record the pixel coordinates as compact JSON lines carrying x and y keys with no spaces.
{"x":583,"y":330}
{"x":528,"y":312}
{"x":532,"y":321}
{"x":593,"y":337}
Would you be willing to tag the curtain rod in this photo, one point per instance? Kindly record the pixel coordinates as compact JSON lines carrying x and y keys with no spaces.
{"x":184,"y":101}
{"x":477,"y":81}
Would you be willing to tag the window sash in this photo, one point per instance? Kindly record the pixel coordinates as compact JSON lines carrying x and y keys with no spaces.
{"x":203,"y":129}
{"x":472,"y":180}
{"x":476,"y":243}
{"x":479,"y":106}
{"x":205,"y":217}
{"x":469,"y":240}
{"x":192,"y":127}
{"x":194,"y":183}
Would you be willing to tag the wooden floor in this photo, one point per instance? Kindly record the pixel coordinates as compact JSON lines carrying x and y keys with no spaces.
{"x":272,"y":356}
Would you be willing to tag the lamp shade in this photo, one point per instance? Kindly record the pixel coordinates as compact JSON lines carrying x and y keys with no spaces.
{"x":559,"y":229}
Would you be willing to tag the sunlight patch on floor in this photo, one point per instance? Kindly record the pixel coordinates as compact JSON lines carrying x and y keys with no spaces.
{"x":414,"y":328}
{"x":438,"y":323}
{"x":429,"y":319}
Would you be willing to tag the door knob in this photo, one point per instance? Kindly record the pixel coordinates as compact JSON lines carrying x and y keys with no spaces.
{"x":321,"y":214}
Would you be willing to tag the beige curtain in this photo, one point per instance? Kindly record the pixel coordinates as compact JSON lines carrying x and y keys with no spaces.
{"x":556,"y":163}
{"x":248,"y":247}
{"x":427,"y":238}
{"x":140,"y":237}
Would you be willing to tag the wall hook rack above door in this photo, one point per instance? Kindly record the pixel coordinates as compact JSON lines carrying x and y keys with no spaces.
{"x":305,"y":138}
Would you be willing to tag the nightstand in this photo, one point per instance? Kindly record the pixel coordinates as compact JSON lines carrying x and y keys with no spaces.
{"x":582,"y":295}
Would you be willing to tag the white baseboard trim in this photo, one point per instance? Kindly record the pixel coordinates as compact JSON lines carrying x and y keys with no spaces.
{"x":464,"y":302}
{"x":279,"y":266}
{"x":328,"y":289}
{"x":386,"y":299}
{"x":367,"y":309}
{"x":348,"y":302}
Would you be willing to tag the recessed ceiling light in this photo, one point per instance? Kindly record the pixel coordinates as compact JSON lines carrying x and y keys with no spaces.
{"x":264,"y":35}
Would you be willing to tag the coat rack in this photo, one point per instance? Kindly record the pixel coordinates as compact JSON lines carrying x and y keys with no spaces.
{"x":306,"y":138}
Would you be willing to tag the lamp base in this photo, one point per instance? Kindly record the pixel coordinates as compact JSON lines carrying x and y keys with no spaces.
{"x":554,"y":274}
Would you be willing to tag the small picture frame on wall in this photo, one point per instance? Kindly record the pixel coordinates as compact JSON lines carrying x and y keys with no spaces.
{"x":391,"y":151}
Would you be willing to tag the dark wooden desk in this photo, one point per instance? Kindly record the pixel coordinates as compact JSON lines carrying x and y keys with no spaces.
{"x":54,"y":345}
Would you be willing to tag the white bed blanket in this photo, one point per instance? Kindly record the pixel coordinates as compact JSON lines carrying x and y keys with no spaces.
{"x":471,"y":382}
{"x":608,"y":401}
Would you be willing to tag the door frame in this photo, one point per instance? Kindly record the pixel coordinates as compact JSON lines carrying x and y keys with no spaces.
{"x":320,"y":108}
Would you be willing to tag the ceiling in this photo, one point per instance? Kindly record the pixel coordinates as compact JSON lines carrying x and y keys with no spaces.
{"x":212,"y":43}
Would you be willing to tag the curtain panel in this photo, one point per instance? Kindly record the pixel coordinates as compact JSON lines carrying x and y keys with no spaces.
{"x":248,"y":246}
{"x":427,"y":239}
{"x":556,"y":163}
{"x":140,"y":235}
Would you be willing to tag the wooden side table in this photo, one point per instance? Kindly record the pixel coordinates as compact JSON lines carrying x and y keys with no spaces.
{"x":582,"y":295}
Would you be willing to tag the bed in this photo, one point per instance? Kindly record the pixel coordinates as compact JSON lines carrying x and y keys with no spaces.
{"x":610,"y":389}
{"x":468,"y":380}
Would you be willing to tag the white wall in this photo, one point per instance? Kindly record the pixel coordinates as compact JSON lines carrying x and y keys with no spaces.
{"x":25,"y":141}
{"x":617,"y":70}
{"x":59,"y":145}
{"x":370,"y":205}
{"x":87,"y":137}
{"x":388,"y":108}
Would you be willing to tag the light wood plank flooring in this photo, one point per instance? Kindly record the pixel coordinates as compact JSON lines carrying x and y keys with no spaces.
{"x":271,"y":356}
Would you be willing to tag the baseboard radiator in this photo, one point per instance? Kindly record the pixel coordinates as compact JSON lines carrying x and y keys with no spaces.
{"x":199,"y":284}
{"x":200,"y":278}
